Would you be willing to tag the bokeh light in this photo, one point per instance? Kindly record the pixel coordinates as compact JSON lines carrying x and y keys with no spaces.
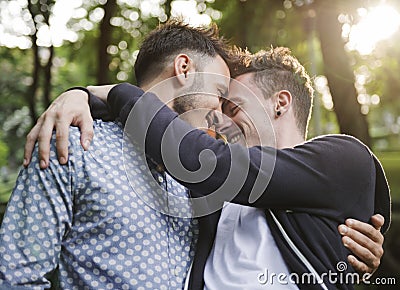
{"x":376,"y":24}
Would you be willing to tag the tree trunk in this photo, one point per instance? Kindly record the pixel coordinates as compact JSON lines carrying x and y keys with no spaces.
{"x":104,"y":41}
{"x":47,"y":68}
{"x":242,"y":33}
{"x":339,"y":73}
{"x":32,"y":89}
{"x":31,"y":92}
{"x":168,"y":8}
{"x":47,"y":78}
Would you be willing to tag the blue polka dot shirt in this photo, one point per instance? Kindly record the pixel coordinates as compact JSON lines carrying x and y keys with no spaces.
{"x":106,"y":220}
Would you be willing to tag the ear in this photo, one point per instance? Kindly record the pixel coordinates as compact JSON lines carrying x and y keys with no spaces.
{"x":283,"y":102}
{"x":182,"y":66}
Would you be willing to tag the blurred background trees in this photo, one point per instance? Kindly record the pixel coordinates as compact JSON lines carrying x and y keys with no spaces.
{"x":351,"y":49}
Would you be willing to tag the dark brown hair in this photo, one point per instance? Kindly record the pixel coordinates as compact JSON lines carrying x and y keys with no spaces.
{"x":175,"y":37}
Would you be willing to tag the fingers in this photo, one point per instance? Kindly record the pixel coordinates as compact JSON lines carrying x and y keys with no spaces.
{"x":73,"y":110}
{"x":62,"y":132}
{"x":44,"y":139}
{"x":365,"y":236}
{"x":86,"y":127}
{"x":365,"y":242}
{"x":377,"y":221}
{"x":363,"y":252}
{"x":70,"y":108}
{"x":359,"y":266}
{"x":365,"y":229}
{"x":31,"y":139}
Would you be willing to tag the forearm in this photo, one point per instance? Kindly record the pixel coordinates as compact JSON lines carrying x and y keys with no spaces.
{"x":121,"y":99}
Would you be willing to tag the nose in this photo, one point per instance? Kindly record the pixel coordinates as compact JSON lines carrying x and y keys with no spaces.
{"x":222,"y":122}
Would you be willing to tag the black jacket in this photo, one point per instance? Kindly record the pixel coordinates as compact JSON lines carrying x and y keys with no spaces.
{"x":308,"y":191}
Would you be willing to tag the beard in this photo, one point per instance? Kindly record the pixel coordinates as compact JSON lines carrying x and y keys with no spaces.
{"x":190,"y":98}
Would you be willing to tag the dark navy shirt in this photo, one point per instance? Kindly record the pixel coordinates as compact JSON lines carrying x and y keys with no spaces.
{"x":314,"y":186}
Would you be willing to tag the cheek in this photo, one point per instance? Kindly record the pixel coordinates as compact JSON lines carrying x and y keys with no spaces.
{"x":269,"y":108}
{"x":214,"y":103}
{"x":248,"y":127}
{"x":243,"y":123}
{"x":237,"y":119}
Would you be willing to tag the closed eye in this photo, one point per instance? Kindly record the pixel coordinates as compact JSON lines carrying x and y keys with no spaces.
{"x":234,"y":109}
{"x":230,"y":108}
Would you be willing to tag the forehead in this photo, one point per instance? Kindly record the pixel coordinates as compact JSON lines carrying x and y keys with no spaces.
{"x":217,"y":65}
{"x":245,"y":80}
{"x":217,"y":72}
{"x":243,"y":88}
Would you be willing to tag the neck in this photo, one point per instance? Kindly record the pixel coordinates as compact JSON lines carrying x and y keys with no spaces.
{"x":288,"y":137}
{"x":162,"y":88}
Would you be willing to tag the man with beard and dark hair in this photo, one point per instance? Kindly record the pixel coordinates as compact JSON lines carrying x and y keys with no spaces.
{"x":81,"y":226}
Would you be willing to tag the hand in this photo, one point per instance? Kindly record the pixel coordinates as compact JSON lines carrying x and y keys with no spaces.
{"x":70,"y":108}
{"x":364,"y":241}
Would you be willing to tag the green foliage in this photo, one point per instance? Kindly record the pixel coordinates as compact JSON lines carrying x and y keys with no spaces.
{"x":74,"y":64}
{"x":129,"y":23}
{"x":3,"y":153}
{"x":6,"y":187}
{"x":14,"y":79}
{"x":391,"y":164}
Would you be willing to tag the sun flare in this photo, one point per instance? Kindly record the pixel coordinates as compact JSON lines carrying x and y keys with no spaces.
{"x":376,"y":24}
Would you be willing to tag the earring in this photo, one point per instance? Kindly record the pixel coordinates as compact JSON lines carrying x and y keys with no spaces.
{"x":278,"y":113}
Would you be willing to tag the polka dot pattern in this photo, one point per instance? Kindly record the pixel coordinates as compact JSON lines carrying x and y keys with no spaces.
{"x":91,"y":226}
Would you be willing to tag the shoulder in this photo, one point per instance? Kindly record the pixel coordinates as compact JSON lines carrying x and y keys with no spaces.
{"x":100,"y":128}
{"x":337,"y":146}
{"x":107,"y":137}
{"x":103,"y":129}
{"x":104,"y":132}
{"x":337,"y":141}
{"x":335,"y":154}
{"x":346,"y":156}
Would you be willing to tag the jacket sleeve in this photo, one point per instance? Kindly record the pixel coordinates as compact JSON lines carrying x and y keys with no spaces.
{"x":98,"y":109}
{"x":333,"y":175}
